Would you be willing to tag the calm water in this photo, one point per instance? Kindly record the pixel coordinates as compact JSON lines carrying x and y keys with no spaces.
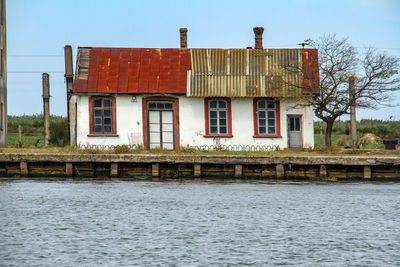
{"x":198,"y":224}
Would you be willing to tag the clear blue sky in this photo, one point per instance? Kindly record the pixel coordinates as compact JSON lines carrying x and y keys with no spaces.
{"x":38,"y":30}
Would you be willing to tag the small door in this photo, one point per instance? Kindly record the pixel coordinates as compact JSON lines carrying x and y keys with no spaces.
{"x":161,"y":125}
{"x":295,"y":131}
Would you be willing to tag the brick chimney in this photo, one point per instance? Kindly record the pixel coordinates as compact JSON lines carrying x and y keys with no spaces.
{"x":258,"y":32}
{"x":183,"y":32}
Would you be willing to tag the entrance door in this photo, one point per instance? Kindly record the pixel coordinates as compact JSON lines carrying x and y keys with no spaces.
{"x":161,"y":125}
{"x":295,"y":134}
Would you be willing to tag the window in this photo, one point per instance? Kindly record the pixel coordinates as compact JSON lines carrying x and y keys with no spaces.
{"x":218,"y":117}
{"x":102,"y":116}
{"x":266,"y":118}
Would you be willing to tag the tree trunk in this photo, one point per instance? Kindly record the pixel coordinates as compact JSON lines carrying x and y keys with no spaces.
{"x":328,"y":133}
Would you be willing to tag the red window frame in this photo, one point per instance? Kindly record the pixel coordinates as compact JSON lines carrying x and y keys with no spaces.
{"x":207,"y":126}
{"x":114,"y":109}
{"x":278,"y":119}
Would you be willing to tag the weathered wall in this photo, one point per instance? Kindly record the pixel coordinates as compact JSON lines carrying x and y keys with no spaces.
{"x":128,"y":118}
{"x":192,"y":123}
{"x":140,"y":166}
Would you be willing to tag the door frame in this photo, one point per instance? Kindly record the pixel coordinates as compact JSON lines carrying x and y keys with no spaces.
{"x":288,"y":129}
{"x":145,"y":119}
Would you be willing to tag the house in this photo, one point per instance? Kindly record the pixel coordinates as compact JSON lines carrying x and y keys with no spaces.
{"x":177,"y":97}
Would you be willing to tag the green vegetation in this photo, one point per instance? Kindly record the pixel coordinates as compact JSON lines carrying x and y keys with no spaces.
{"x":33,"y":130}
{"x":341,"y":132}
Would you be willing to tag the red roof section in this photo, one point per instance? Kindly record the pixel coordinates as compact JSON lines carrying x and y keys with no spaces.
{"x":310,"y":71}
{"x":136,"y":70}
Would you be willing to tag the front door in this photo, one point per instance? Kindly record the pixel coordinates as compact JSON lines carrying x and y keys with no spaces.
{"x":161,"y":125}
{"x":295,"y":135}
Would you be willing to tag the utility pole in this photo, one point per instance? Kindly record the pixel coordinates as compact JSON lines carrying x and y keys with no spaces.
{"x":353,"y":121}
{"x":46,"y":108}
{"x":3,"y":75}
{"x":71,"y":99}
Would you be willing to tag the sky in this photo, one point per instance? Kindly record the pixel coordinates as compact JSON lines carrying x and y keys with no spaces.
{"x":37,"y":32}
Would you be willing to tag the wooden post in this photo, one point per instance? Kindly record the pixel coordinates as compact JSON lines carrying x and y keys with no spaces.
{"x":197,"y":171}
{"x":24,"y":168}
{"x":46,"y":108}
{"x":322,"y":171}
{"x":367,"y":172}
{"x":114,"y":170}
{"x":238,"y":170}
{"x":155,"y":169}
{"x":19,"y":136}
{"x":353,"y":121}
{"x":280,"y":171}
{"x":68,"y":169}
{"x":321,"y":136}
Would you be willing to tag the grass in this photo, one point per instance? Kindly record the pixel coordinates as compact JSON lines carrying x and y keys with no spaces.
{"x":32,"y":127}
{"x":318,"y":151}
{"x":27,"y":140}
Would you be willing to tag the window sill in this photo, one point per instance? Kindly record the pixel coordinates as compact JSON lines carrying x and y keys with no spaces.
{"x":222,"y":136}
{"x":267,"y":136}
{"x":102,"y":135}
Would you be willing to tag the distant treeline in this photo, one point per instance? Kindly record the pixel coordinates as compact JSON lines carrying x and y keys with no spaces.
{"x":383,"y":129}
{"x":31,"y":123}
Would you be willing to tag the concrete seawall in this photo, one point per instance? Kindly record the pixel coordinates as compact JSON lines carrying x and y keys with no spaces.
{"x":150,"y":166}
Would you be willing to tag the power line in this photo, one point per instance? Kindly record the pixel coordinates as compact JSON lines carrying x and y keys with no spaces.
{"x":388,"y":48}
{"x":35,"y":55}
{"x":35,"y":72}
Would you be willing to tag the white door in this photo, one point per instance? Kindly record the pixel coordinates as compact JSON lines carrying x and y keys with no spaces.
{"x":294,"y":131}
{"x":161,"y":126}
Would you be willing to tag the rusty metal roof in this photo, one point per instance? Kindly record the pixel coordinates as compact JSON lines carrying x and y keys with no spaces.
{"x":131,"y":70}
{"x":253,"y":72}
{"x":198,"y":72}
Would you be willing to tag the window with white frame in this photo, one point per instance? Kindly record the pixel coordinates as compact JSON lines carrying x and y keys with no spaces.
{"x":218,"y":117}
{"x":266,"y":117}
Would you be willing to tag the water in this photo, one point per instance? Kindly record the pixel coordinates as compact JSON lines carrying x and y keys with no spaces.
{"x":199,"y":224}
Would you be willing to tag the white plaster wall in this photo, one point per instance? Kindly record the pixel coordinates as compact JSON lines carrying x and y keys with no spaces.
{"x":128,"y":122}
{"x":192,"y":123}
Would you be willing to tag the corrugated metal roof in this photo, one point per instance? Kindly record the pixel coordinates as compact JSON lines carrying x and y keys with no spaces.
{"x":132,"y":70}
{"x":249,"y":72}
{"x":198,"y":72}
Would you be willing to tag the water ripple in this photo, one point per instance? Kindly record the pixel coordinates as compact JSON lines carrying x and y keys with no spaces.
{"x":185,"y":224}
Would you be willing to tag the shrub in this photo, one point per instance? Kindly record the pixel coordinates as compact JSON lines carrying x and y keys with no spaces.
{"x":124,"y":149}
{"x":59,"y":133}
{"x":344,"y":141}
{"x":368,"y":129}
{"x":90,"y":151}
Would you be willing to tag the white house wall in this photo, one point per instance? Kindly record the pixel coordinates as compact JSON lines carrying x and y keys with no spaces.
{"x":128,"y":123}
{"x":192,"y":123}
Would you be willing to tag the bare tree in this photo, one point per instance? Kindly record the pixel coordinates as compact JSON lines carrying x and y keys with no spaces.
{"x":376,"y":77}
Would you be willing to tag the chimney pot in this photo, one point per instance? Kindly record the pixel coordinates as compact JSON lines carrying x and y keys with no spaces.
{"x":258,"y":32}
{"x":183,"y":32}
